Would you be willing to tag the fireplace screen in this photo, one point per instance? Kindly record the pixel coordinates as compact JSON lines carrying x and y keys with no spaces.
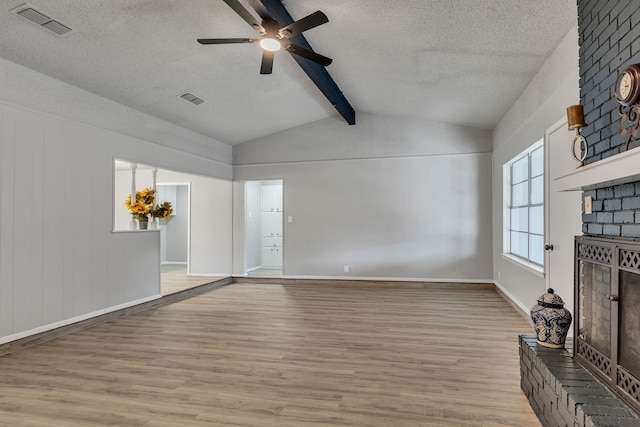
{"x":630,"y":322}
{"x":595,"y":313}
{"x":607,"y":305}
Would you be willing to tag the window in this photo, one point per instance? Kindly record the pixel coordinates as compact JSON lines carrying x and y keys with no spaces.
{"x":524,"y":207}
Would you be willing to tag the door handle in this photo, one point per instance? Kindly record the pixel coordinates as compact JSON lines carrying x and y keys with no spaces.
{"x":548,"y":247}
{"x":612,"y":297}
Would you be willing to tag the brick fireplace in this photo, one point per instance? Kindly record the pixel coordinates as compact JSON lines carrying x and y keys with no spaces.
{"x":560,"y":390}
{"x":609,"y":37}
{"x":607,"y":315}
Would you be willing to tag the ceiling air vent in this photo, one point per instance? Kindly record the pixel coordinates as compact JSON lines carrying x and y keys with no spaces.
{"x":40,"y":19}
{"x":191,"y":98}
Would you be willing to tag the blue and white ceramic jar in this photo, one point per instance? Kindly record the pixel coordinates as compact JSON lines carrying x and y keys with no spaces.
{"x":551,"y":320}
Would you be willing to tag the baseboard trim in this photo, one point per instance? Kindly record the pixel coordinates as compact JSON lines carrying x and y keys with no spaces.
{"x":377,"y":279}
{"x":517,"y":305}
{"x":287,"y":280}
{"x":209,"y":274}
{"x":63,"y":323}
{"x":15,"y":342}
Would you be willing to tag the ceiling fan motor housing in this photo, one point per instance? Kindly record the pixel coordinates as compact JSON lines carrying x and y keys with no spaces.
{"x":271,"y":27}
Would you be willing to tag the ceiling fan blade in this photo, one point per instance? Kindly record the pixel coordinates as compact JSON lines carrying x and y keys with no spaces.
{"x":267,"y":62}
{"x":225,"y":41}
{"x":309,"y":54}
{"x":260,"y":9}
{"x":304,"y":24}
{"x":244,"y":14}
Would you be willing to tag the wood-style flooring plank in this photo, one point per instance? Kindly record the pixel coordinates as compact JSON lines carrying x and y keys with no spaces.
{"x":299,"y":355}
{"x":174,"y":278}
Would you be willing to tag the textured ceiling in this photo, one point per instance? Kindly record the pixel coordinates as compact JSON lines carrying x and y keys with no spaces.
{"x":455,"y":61}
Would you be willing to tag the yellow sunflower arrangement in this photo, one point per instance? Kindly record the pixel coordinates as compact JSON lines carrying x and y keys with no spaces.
{"x":143,"y":204}
{"x":162,"y":210}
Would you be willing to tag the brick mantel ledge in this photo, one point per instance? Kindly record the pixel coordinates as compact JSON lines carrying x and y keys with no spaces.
{"x":563,"y":393}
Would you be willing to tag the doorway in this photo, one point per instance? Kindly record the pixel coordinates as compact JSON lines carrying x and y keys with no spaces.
{"x":174,"y":230}
{"x":264,"y":237}
{"x":564,"y":209}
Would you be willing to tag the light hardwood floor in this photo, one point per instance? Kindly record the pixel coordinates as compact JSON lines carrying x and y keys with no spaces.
{"x":283,"y":355}
{"x":174,"y":279}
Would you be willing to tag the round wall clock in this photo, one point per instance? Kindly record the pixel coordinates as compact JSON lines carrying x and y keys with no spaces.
{"x":628,"y":85}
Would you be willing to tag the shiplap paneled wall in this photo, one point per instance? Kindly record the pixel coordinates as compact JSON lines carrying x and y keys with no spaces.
{"x":60,"y":262}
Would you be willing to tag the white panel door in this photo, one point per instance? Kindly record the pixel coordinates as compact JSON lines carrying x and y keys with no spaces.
{"x":564,"y":213}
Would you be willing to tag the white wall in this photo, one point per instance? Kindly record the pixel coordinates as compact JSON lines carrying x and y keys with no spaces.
{"x":541,"y":105}
{"x":210,"y":222}
{"x":375,"y":136}
{"x":121,"y":188}
{"x":59,"y":259}
{"x":414,"y":207}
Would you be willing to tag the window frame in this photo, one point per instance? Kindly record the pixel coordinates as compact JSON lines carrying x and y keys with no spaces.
{"x":508,"y":188}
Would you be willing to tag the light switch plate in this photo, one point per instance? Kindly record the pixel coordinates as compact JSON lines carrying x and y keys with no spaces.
{"x":588,"y":205}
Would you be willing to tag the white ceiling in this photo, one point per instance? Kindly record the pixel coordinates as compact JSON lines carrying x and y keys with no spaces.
{"x":455,"y":61}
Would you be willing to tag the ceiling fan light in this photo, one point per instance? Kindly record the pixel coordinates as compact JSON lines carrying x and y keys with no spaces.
{"x":271,"y":44}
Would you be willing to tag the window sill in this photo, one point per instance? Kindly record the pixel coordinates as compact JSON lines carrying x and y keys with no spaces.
{"x":532,"y":268}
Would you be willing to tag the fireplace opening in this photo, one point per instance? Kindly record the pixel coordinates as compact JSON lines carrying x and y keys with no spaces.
{"x":607,"y":304}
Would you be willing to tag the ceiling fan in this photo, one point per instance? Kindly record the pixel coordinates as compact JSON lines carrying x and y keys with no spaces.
{"x":273,"y":37}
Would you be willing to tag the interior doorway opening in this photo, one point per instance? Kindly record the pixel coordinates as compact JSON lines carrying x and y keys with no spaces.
{"x":264,"y":237}
{"x":174,"y":237}
{"x":174,"y":230}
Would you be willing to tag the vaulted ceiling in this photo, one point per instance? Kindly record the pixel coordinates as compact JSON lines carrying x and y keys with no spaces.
{"x":455,"y":61}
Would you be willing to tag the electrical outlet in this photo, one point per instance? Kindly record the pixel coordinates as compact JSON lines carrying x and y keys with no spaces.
{"x":346,"y":268}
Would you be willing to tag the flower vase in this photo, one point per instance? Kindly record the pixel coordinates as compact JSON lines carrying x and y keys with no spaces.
{"x":143,"y":223}
{"x":153,"y":224}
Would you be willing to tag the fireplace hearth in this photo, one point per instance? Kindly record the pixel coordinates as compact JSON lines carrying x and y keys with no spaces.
{"x":607,"y":304}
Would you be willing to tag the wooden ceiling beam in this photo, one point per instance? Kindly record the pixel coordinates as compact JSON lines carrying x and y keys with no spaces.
{"x":316,"y":72}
